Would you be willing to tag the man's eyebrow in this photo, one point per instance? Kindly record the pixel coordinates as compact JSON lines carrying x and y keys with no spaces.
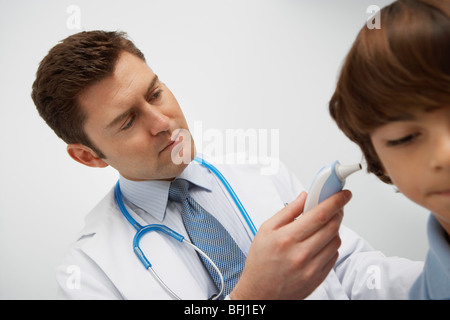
{"x":121,"y":117}
{"x":125,"y":114}
{"x":152,"y":84}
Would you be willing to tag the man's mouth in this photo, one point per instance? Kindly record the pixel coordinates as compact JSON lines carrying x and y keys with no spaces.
{"x":172,"y":143}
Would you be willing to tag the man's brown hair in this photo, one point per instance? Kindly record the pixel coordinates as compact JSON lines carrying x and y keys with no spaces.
{"x":70,"y":67}
{"x":396,"y":70}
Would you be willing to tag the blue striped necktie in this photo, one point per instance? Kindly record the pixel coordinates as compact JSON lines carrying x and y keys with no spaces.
{"x":210,"y":236}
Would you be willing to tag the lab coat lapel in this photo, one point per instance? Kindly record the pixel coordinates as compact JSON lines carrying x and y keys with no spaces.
{"x":111,"y":248}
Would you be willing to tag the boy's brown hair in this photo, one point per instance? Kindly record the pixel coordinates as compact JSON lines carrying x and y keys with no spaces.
{"x":398,"y":69}
{"x":70,"y":67}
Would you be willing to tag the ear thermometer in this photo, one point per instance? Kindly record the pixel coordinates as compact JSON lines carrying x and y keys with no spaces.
{"x":328,"y":181}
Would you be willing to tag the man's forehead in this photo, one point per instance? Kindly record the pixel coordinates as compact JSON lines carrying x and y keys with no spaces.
{"x":115,"y":90}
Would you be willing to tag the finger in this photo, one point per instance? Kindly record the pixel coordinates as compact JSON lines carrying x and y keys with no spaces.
{"x":316,"y":218}
{"x":325,"y":258}
{"x":318,"y":267}
{"x":329,"y":264}
{"x":325,"y":236}
{"x":322,"y":272}
{"x":290,"y":212}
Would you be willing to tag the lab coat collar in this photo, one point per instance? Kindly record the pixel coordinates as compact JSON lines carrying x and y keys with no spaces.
{"x":152,"y":195}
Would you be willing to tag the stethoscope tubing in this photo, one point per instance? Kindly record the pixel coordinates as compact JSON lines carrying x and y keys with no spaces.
{"x":230,"y":190}
{"x":142,"y":230}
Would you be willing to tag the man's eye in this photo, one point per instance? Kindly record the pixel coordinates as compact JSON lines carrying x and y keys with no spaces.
{"x":154,"y":96}
{"x":129,"y":123}
{"x":402,"y":141}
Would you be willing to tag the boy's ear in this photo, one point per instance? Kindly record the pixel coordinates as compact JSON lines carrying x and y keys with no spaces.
{"x":85,"y":155}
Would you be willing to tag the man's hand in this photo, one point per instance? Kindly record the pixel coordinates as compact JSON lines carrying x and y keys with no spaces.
{"x":290,"y":257}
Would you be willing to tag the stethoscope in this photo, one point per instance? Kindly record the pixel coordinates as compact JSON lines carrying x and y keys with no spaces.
{"x":141,"y":230}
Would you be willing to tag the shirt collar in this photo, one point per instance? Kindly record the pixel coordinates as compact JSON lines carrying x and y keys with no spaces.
{"x":152,"y":195}
{"x":439,"y":244}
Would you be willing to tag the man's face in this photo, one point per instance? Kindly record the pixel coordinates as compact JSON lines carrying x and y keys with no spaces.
{"x":134,"y":119}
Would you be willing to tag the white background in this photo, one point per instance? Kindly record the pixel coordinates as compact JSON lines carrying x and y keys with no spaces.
{"x":232,"y":64}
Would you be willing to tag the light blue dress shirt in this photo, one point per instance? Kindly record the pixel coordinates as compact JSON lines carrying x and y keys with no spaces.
{"x":434,"y":282}
{"x":149,"y":200}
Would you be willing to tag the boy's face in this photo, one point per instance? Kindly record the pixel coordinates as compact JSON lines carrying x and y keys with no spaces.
{"x":133,"y":119}
{"x":415,"y":153}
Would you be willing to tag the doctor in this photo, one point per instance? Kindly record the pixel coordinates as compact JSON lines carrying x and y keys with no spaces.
{"x":97,"y":93}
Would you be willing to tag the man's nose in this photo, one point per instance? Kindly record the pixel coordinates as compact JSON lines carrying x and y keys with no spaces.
{"x":157,"y":121}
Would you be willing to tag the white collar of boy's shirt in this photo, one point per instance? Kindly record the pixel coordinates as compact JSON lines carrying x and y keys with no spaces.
{"x":152,"y":195}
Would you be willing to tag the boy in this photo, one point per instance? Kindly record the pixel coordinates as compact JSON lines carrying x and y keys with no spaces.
{"x":393,"y":100}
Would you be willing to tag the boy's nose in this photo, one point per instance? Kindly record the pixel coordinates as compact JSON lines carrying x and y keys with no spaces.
{"x":441,"y":154}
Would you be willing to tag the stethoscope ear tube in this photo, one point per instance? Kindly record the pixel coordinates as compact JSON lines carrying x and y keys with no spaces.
{"x":222,"y":283}
{"x":162,"y":284}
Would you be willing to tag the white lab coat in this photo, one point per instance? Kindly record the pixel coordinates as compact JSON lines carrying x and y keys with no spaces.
{"x":107,"y":268}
